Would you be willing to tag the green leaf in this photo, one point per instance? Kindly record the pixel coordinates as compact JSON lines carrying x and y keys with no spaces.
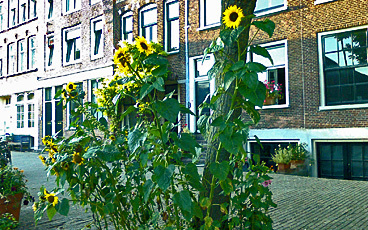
{"x":227,"y":186}
{"x":231,"y":142}
{"x":216,"y":69}
{"x":228,"y":79}
{"x":187,"y":142}
{"x":197,"y":211}
{"x":238,"y":65}
{"x":51,"y":211}
{"x":183,"y":200}
{"x":255,"y":95}
{"x":193,"y":177}
{"x":91,"y":152}
{"x":155,"y":59}
{"x":184,"y":109}
{"x":168,"y":109}
{"x":161,"y":70}
{"x":163,"y":176}
{"x":63,"y":208}
{"x":253,"y":113}
{"x":261,"y":51}
{"x":147,"y":188}
{"x":108,"y":208}
{"x":250,"y":79}
{"x":256,"y":67}
{"x":257,"y":158}
{"x":158,"y":84}
{"x":202,"y":123}
{"x":225,"y":36}
{"x":267,"y":26}
{"x":220,"y":170}
{"x":145,"y":90}
{"x":235,"y":33}
{"x":129,"y":110}
{"x":135,"y":139}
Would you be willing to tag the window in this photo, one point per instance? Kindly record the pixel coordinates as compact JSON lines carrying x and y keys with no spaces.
{"x":269,"y":6}
{"x":11,"y":58}
{"x":13,"y":5}
{"x":97,"y":38}
{"x":199,"y":87}
{"x":72,"y":5}
{"x":22,"y":61}
{"x":49,"y":50}
{"x":32,"y":52}
{"x":72,"y":45}
{"x":277,"y":71}
{"x":50,"y":8}
{"x":148,"y":25}
{"x":127,"y":27}
{"x":1,"y":16}
{"x":210,"y":13}
{"x":344,"y":72}
{"x":23,"y":13}
{"x":172,"y":25}
{"x":31,"y":115}
{"x":1,"y":67}
{"x":20,"y":116}
{"x":32,"y":9}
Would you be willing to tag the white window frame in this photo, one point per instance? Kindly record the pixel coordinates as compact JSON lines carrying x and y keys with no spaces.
{"x":32,"y":13}
{"x":23,"y":11}
{"x":49,"y":13}
{"x":2,"y":21}
{"x":32,"y":52}
{"x":31,"y":113}
{"x":92,"y":2}
{"x":22,"y":56}
{"x":202,"y":12}
{"x":50,"y":42}
{"x":192,"y":81}
{"x":323,"y":105}
{"x":317,"y":2}
{"x":13,"y":13}
{"x":97,"y":24}
{"x":144,"y":9}
{"x":74,"y":34}
{"x":12,"y":58}
{"x":22,"y":113}
{"x":75,"y":6}
{"x":167,"y":27}
{"x":271,"y":10}
{"x":127,"y":14}
{"x":286,"y":66}
{"x":68,"y":108}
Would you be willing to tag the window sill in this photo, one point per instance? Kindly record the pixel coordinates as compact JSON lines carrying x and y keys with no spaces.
{"x":20,"y":73}
{"x":71,"y":11}
{"x":209,"y":27}
{"x":273,"y":107}
{"x":317,"y":2}
{"x":95,"y":57}
{"x":270,"y":11}
{"x":173,"y":52}
{"x":351,"y":106}
{"x":72,"y":63}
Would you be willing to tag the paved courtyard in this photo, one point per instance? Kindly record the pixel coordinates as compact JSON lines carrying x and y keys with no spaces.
{"x":303,"y":202}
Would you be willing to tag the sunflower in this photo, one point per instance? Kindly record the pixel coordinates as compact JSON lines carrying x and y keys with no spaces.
{"x":143,"y":45}
{"x":46,"y":140}
{"x":35,"y":206}
{"x":51,"y":197}
{"x":70,"y":87}
{"x":43,"y":159}
{"x":113,"y":138}
{"x":77,"y":159}
{"x":122,"y":59}
{"x":64,"y":94}
{"x":232,"y":16}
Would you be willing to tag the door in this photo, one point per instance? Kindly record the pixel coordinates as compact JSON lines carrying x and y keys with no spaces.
{"x":343,"y":160}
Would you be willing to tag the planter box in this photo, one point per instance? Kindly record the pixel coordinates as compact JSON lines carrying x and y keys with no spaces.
{"x":11,"y":205}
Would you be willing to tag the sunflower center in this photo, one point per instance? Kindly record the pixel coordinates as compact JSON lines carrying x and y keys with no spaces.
{"x":50,"y":199}
{"x":144,"y":46}
{"x":233,"y":16}
{"x":70,"y":86}
{"x":77,"y":159}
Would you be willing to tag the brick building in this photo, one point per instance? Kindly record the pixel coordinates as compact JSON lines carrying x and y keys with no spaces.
{"x":319,"y":49}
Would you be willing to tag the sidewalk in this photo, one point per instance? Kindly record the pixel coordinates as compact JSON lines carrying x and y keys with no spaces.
{"x":303,"y":202}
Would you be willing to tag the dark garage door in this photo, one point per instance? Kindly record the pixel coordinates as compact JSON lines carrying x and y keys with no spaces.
{"x":343,"y":160}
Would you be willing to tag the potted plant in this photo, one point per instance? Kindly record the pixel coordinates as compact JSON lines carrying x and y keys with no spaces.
{"x":273,"y":92}
{"x":12,"y":190}
{"x":298,"y":154}
{"x":282,"y":158}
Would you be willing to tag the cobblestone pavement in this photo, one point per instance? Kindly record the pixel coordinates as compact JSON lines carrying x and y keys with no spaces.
{"x":303,"y":202}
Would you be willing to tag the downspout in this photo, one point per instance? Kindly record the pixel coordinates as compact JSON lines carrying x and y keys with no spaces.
{"x":302,"y":56}
{"x":186,"y":61}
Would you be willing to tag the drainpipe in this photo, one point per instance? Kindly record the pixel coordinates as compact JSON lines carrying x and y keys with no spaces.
{"x":186,"y":62}
{"x":302,"y":56}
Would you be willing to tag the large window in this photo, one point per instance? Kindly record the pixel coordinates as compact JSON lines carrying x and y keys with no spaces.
{"x":2,"y":16}
{"x":12,"y":54}
{"x":127,"y":27}
{"x":20,"y":111}
{"x":31,"y":116}
{"x":32,"y":9}
{"x":22,"y":61}
{"x":343,"y":56}
{"x":13,"y":6}
{"x":276,"y":72}
{"x":72,"y":45}
{"x":97,"y":38}
{"x":49,"y":51}
{"x":23,"y":12}
{"x":148,"y":22}
{"x":269,"y":6}
{"x":32,"y":46}
{"x":72,"y":5}
{"x":172,"y":25}
{"x":210,"y":13}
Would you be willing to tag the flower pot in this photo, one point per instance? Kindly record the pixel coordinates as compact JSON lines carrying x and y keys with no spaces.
{"x":269,"y":101}
{"x":283,"y":167}
{"x":11,"y":205}
{"x":295,"y":163}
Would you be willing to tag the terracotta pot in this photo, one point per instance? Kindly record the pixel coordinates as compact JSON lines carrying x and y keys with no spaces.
{"x":269,"y":101}
{"x":295,"y":163}
{"x":11,"y":205}
{"x":283,"y":167}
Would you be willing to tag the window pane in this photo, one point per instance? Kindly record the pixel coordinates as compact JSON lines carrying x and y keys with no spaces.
{"x":268,"y":4}
{"x":360,"y":56}
{"x":361,"y":74}
{"x":331,"y":60}
{"x":77,"y":48}
{"x":361,"y":92}
{"x":344,"y":41}
{"x":333,"y":95}
{"x":359,"y":38}
{"x":326,"y":168}
{"x":173,"y":10}
{"x":347,"y":93}
{"x":174,"y":35}
{"x":48,"y":94}
{"x":202,"y":69}
{"x":278,"y":54}
{"x":330,"y":44}
{"x":345,"y":58}
{"x":212,"y":14}
{"x":346,"y":76}
{"x":337,"y":168}
{"x":150,"y":17}
{"x":332,"y":77}
{"x":337,"y":153}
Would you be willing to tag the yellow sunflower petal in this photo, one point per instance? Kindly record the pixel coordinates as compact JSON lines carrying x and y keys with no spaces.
{"x":70,"y":87}
{"x":143,"y":45}
{"x":232,"y":16}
